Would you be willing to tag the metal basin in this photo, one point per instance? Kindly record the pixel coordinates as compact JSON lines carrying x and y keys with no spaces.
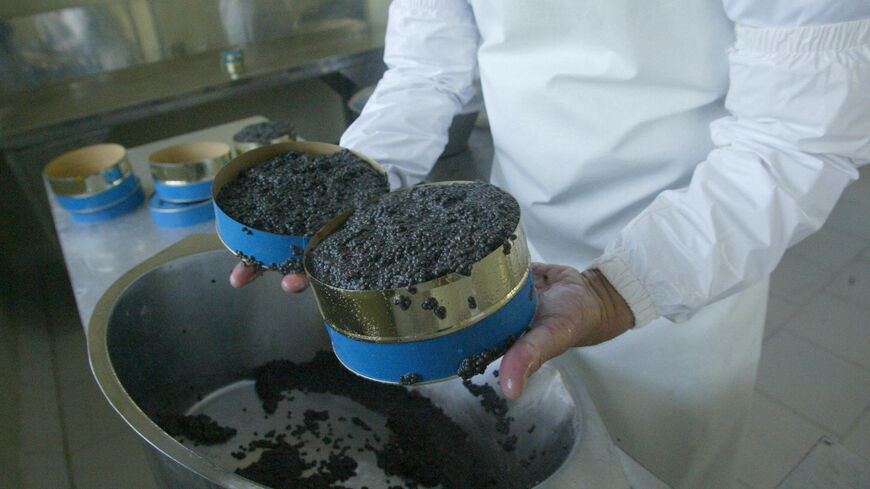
{"x":171,"y":336}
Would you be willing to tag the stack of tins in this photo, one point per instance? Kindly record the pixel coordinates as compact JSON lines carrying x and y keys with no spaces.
{"x":183,"y":176}
{"x":94,"y":183}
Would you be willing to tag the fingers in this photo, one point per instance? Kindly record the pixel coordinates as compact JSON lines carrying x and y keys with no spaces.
{"x":548,"y":338}
{"x":294,"y":282}
{"x":243,"y":275}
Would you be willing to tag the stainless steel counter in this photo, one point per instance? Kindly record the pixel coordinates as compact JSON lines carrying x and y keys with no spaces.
{"x":97,"y":254}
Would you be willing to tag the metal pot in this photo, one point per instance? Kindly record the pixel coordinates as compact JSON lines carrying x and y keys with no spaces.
{"x":171,"y":334}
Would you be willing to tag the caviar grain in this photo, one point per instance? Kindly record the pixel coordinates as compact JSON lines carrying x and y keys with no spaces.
{"x":265,"y":132}
{"x":295,"y":194}
{"x":416,"y":235}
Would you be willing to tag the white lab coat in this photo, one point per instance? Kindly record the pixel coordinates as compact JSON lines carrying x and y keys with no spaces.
{"x":680,"y":147}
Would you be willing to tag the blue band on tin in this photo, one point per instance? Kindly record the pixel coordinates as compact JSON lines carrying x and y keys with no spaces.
{"x":123,"y":206}
{"x":171,"y":215}
{"x":99,"y":199}
{"x":438,"y":358}
{"x":112,"y":175}
{"x":180,"y":194}
{"x":267,"y":248}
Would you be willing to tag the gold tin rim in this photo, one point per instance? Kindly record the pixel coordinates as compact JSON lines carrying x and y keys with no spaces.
{"x":372,"y":315}
{"x":88,"y":170}
{"x":262,"y":154}
{"x":188,"y":163}
{"x":242,"y":147}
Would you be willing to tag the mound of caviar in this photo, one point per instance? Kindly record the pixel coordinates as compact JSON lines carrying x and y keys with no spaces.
{"x":296,"y":194}
{"x":425,"y":446}
{"x":264,"y":132}
{"x":416,"y":235}
{"x":199,"y":429}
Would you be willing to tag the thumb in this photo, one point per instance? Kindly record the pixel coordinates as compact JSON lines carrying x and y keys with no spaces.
{"x":548,"y":339}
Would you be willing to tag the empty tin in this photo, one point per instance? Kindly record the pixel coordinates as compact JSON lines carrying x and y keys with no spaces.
{"x":99,"y":200}
{"x":120,"y":206}
{"x":184,"y":172}
{"x":378,"y":335}
{"x":172,"y":215}
{"x":91,"y":177}
{"x":269,"y":250}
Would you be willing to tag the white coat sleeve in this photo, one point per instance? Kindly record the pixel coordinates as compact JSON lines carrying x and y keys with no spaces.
{"x":431,"y":56}
{"x":799,"y":126}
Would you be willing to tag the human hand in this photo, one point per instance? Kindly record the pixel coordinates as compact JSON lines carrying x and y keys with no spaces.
{"x":574,"y":309}
{"x":243,"y":275}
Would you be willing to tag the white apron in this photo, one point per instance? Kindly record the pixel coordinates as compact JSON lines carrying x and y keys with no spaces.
{"x":597,"y":107}
{"x":586,"y":137}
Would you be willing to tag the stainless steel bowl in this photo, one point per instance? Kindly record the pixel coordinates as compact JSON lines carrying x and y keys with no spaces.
{"x":171,"y":334}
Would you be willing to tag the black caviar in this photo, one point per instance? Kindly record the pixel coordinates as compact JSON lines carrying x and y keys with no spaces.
{"x":265,"y":132}
{"x":200,"y":429}
{"x":476,"y":364}
{"x":410,"y":379}
{"x":425,"y":447}
{"x":295,"y":194}
{"x":416,"y":235}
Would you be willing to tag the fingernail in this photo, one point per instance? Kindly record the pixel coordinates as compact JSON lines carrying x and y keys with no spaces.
{"x":511,"y":389}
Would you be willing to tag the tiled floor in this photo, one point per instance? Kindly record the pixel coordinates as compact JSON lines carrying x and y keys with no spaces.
{"x":57,"y":431}
{"x":814,"y":378}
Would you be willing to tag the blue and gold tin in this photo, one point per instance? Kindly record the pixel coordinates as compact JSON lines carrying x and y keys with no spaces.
{"x":184,"y":172}
{"x":125,"y":204}
{"x":261,"y":134}
{"x":90,"y":178}
{"x":269,"y":250}
{"x":172,"y":215}
{"x":233,"y":62}
{"x":99,"y":200}
{"x":242,"y":147}
{"x":377,"y":336}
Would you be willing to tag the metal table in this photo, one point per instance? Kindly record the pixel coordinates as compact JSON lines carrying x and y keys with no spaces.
{"x":97,"y":254}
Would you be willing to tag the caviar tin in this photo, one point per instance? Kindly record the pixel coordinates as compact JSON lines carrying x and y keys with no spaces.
{"x":389,"y":336}
{"x":121,"y":206}
{"x":90,"y":178}
{"x":233,"y":62}
{"x":173,"y":215}
{"x":241,"y":147}
{"x":99,"y":200}
{"x":253,"y":246}
{"x":184,"y":172}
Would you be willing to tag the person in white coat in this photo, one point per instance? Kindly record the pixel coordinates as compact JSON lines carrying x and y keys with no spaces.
{"x":664,"y":155}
